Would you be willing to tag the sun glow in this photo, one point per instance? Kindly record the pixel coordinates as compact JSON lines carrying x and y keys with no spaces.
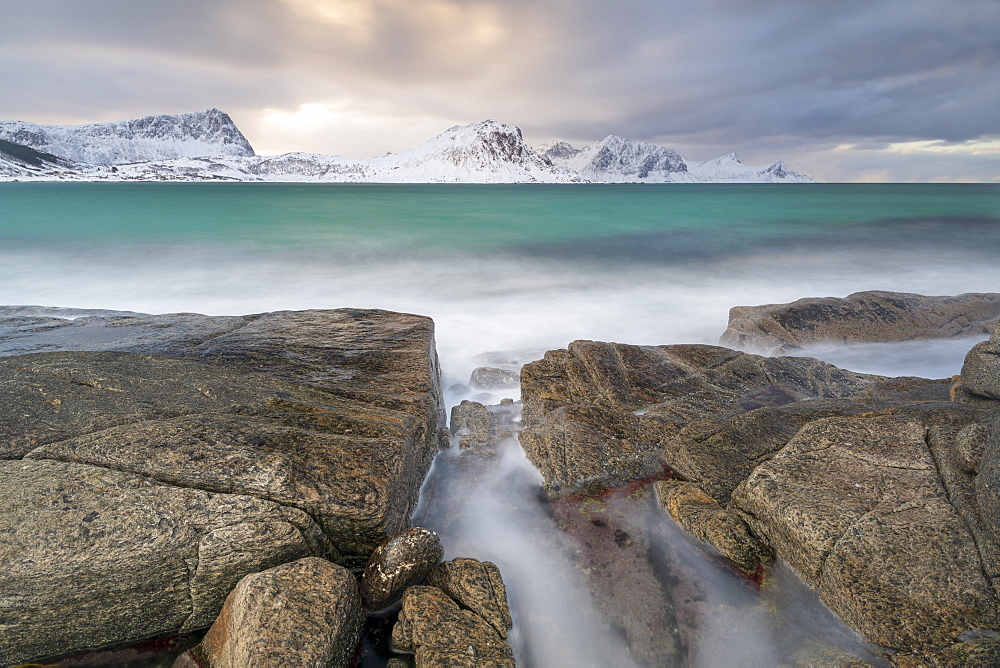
{"x":973,"y":147}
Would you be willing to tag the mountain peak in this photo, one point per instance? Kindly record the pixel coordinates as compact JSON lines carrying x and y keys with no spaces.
{"x":209,"y":133}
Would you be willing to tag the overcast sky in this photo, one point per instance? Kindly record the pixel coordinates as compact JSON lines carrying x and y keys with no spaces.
{"x":843,"y":90}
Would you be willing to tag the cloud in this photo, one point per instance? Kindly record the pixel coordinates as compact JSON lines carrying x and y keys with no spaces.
{"x":716,"y":73}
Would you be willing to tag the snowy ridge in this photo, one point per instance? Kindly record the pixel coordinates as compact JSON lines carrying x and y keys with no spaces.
{"x":729,"y":169}
{"x":485,"y":152}
{"x":207,"y":145}
{"x":619,"y":160}
{"x":165,"y":137}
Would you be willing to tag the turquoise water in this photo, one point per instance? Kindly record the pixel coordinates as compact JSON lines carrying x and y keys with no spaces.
{"x":498,"y":267}
{"x":467,"y":218}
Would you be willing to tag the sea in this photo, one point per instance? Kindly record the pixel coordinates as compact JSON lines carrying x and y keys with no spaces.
{"x":508,"y":272}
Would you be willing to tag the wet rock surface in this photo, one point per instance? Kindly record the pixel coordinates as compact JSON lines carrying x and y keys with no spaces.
{"x":702,"y":516}
{"x":603,"y":414}
{"x":879,"y":492}
{"x":477,"y":586}
{"x":857,"y":508}
{"x":492,"y":378}
{"x":862,"y":317}
{"x":480,"y":429}
{"x":439,"y":633}
{"x":303,"y":613}
{"x":404,"y":558}
{"x":327,"y":419}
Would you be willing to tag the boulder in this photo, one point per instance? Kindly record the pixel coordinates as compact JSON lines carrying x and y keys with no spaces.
{"x":492,"y":378}
{"x":440,"y":633}
{"x":303,"y":613}
{"x":862,"y":317}
{"x":94,"y":557}
{"x":404,"y":558}
{"x":856,"y":507}
{"x":981,"y":371}
{"x":603,"y":414}
{"x":326,"y":418}
{"x":477,"y":586}
{"x":481,"y":429}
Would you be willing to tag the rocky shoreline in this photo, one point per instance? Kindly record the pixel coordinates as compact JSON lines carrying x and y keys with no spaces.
{"x":167,"y":474}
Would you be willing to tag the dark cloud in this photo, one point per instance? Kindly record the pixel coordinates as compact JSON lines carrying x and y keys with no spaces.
{"x":715,"y":73}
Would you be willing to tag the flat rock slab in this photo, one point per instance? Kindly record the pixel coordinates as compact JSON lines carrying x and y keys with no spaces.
{"x":603,"y":414}
{"x":856,"y":506}
{"x":94,"y":557}
{"x":334,"y":412}
{"x":863,"y":317}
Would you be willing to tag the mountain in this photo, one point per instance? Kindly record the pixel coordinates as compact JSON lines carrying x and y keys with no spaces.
{"x":485,"y":152}
{"x":207,"y":145}
{"x":729,"y":169}
{"x":619,"y":160}
{"x":165,"y":137}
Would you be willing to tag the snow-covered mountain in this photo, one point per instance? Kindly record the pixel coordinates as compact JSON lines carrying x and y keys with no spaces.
{"x":165,"y":137}
{"x":619,"y":160}
{"x":207,"y":145}
{"x":17,"y":160}
{"x":729,"y":169}
{"x":485,"y":152}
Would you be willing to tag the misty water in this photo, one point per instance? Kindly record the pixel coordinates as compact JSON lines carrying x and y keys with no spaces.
{"x":508,"y":272}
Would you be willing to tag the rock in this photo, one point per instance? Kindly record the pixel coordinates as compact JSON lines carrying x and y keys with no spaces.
{"x":304,"y":613}
{"x":401,"y":560}
{"x":986,"y":491}
{"x":439,"y":633}
{"x":856,"y":507}
{"x":982,"y":650}
{"x":477,"y":586}
{"x":481,"y":429}
{"x":334,"y":412}
{"x":322,"y":423}
{"x":492,"y":378}
{"x":981,"y":371}
{"x":702,"y":516}
{"x":94,"y":557}
{"x":862,"y":317}
{"x":717,"y":455}
{"x":601,"y":414}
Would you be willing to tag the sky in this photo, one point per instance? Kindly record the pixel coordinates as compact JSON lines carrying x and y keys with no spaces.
{"x":845,"y":90}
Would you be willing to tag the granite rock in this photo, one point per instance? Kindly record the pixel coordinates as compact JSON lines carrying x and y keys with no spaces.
{"x":440,"y":633}
{"x":404,"y":558}
{"x":602,"y":414}
{"x":94,"y":557}
{"x":856,"y":507}
{"x":981,"y":371}
{"x":321,"y":423}
{"x":477,"y":586}
{"x":702,"y":516}
{"x":303,"y":613}
{"x":862,"y":317}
